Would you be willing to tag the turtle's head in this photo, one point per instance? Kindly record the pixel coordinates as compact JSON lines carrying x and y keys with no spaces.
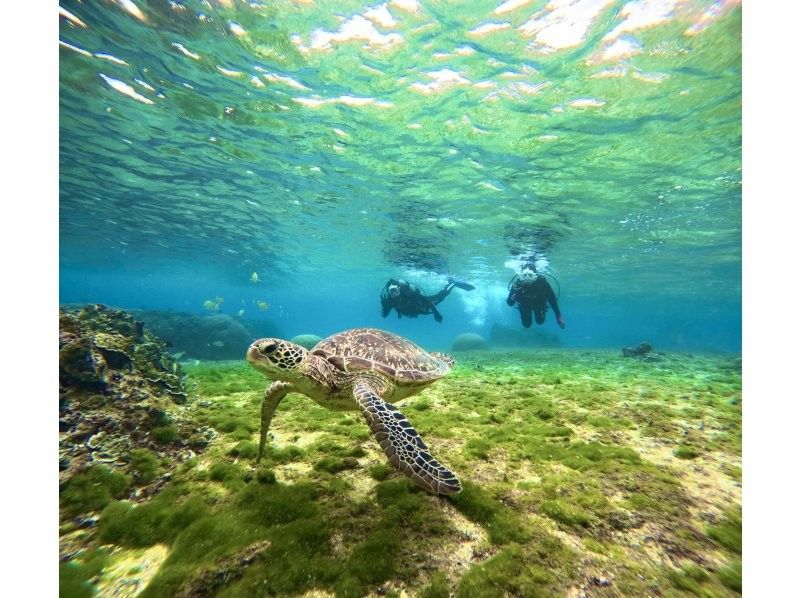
{"x":276,"y":358}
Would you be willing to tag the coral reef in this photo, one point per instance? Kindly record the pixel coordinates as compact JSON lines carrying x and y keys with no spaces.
{"x":306,"y":340}
{"x":120,"y":394}
{"x":506,"y":336}
{"x":469,"y":341}
{"x":575,"y":472}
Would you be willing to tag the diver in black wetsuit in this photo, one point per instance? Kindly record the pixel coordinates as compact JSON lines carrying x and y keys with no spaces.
{"x":531,"y":292}
{"x":409,"y":300}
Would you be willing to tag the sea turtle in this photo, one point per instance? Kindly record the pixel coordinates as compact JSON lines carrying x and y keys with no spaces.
{"x":361,"y":369}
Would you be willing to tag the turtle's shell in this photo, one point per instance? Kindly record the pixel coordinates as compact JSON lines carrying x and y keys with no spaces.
{"x":364,"y":349}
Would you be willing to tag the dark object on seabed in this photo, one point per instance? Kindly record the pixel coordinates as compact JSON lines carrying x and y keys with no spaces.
{"x":207,"y":337}
{"x":501,"y":335}
{"x":639,"y":350}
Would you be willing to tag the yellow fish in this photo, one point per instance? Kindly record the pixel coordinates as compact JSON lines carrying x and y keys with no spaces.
{"x":263,"y":305}
{"x":213,"y":304}
{"x":254,"y":277}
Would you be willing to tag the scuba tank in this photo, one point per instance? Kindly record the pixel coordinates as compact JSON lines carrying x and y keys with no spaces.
{"x":557,"y":290}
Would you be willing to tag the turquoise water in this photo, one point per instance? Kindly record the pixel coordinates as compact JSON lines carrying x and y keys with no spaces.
{"x":327,"y":146}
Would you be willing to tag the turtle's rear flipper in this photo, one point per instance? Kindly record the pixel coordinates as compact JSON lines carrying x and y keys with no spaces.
{"x":401,"y":443}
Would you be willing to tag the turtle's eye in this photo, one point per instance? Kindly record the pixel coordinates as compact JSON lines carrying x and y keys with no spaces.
{"x":268,"y":348}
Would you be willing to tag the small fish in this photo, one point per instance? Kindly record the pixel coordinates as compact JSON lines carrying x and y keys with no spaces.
{"x":213,"y":304}
{"x":218,"y":344}
{"x":177,"y":356}
{"x":262,"y":305}
{"x":254,"y":277}
{"x":241,"y":312}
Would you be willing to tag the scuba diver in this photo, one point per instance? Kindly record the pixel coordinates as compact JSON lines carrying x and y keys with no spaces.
{"x":409,"y":300}
{"x":531,"y":292}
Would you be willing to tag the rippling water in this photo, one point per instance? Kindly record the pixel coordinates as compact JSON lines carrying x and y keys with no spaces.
{"x":329,"y":145}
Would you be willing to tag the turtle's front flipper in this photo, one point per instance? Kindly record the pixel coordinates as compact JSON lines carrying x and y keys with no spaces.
{"x":272,"y":397}
{"x":401,"y":443}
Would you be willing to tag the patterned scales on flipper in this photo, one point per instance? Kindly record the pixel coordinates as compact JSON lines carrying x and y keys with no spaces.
{"x":402,"y":445}
{"x":364,"y":349}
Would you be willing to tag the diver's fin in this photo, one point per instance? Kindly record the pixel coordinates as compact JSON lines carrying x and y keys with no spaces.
{"x":401,"y":443}
{"x":464,"y":286}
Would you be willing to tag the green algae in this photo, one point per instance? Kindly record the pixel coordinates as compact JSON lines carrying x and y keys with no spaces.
{"x":74,"y":576}
{"x":164,"y":434}
{"x":93,"y":489}
{"x":686,"y":452}
{"x":728,"y":532}
{"x":160,"y":520}
{"x":731,"y":576}
{"x":380,"y":472}
{"x":539,"y":462}
{"x":144,"y":466}
{"x":520,"y":572}
{"x":438,"y":587}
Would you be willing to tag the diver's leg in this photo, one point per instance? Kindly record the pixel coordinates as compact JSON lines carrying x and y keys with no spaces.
{"x":439,"y":297}
{"x":539,"y":314}
{"x":272,"y":397}
{"x":525,"y":314}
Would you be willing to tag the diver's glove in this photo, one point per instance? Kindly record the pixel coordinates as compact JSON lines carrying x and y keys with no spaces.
{"x":560,"y":321}
{"x":510,"y":300}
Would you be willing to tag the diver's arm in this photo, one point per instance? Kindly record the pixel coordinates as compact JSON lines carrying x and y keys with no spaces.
{"x":512,"y":295}
{"x":437,"y":315}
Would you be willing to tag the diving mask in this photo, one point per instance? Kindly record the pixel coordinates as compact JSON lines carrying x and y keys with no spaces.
{"x":394,"y":290}
{"x":528,"y":275}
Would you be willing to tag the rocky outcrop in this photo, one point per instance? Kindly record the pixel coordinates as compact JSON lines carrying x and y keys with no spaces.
{"x":119,"y":390}
{"x":205,"y":337}
{"x":469,"y":341}
{"x":643,"y":351}
{"x":506,"y":336}
{"x":639,"y":350}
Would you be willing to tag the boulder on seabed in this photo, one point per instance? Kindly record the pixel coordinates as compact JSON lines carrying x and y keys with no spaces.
{"x":506,"y":336}
{"x":206,"y":337}
{"x":309,"y":341}
{"x":470,"y":341}
{"x":639,"y":350}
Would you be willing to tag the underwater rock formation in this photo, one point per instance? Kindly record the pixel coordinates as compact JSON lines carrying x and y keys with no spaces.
{"x":643,"y":351}
{"x":639,"y":350}
{"x":306,"y":340}
{"x":469,"y":341}
{"x":206,"y":337}
{"x":506,"y":336}
{"x":119,"y":391}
